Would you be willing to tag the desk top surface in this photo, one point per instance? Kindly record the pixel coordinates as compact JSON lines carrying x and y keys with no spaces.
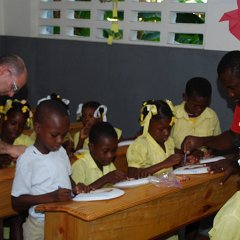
{"x":88,"y":211}
{"x":7,"y":174}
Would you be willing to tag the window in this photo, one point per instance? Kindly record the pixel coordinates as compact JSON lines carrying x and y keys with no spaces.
{"x":178,"y":23}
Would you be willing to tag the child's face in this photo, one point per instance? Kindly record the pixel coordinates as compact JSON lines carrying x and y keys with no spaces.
{"x":104,"y":152}
{"x":195,"y":105}
{"x":51,"y":133}
{"x":160,"y":129}
{"x":87,"y":114}
{"x":13,"y":126}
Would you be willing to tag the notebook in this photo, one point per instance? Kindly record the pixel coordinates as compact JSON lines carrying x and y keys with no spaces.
{"x":132,"y":183}
{"x":213,"y":159}
{"x":99,"y":194}
{"x":191,"y":169}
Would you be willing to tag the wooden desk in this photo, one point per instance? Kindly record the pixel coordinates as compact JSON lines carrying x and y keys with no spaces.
{"x":141,"y":213}
{"x":6,"y":179}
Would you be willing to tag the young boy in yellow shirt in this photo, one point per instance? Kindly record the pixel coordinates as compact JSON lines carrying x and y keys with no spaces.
{"x":95,"y":168}
{"x":193,"y":116}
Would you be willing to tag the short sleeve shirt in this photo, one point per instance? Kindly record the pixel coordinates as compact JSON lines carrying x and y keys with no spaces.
{"x":227,"y":221}
{"x":86,"y":171}
{"x":145,"y":152}
{"x":236,"y":120}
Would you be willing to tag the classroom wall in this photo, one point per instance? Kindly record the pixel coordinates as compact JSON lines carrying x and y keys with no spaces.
{"x":120,"y":76}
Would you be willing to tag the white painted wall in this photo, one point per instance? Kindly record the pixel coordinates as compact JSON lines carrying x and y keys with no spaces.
{"x":218,"y":35}
{"x":1,"y":18}
{"x":20,"y":17}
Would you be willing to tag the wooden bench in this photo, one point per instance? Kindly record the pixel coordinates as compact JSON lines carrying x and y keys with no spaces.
{"x":121,"y":159}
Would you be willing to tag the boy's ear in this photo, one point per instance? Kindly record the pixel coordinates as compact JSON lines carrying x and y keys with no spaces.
{"x":91,"y":147}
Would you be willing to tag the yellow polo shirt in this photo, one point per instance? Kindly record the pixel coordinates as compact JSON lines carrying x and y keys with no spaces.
{"x":23,"y":140}
{"x":86,"y":141}
{"x":207,"y":124}
{"x":145,"y":152}
{"x":226,"y":223}
{"x":86,"y":171}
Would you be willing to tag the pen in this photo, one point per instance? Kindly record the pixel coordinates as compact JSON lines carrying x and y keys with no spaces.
{"x":185,"y":158}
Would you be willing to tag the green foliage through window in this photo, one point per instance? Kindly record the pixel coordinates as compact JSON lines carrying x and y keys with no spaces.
{"x":153,"y":36}
{"x":79,"y":14}
{"x":83,"y":32}
{"x":149,"y":16}
{"x":186,"y":38}
{"x":109,"y":32}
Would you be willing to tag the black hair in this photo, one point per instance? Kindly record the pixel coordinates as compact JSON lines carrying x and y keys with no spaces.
{"x":91,"y":104}
{"x":18,"y":107}
{"x":57,"y":97}
{"x":47,"y":107}
{"x":163,"y":109}
{"x":101,"y":129}
{"x":15,"y":62}
{"x":198,"y":86}
{"x":230,"y":61}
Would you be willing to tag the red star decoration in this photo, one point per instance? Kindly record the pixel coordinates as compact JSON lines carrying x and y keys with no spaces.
{"x":234,"y":21}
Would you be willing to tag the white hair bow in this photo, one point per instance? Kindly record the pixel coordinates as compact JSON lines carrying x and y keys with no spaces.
{"x":79,"y":111}
{"x":101,"y":112}
{"x":64,"y":100}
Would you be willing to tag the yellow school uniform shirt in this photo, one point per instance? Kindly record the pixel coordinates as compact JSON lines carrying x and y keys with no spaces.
{"x":23,"y":140}
{"x":145,"y":152}
{"x":226,"y":223}
{"x":86,"y":141}
{"x":207,"y":124}
{"x":86,"y":171}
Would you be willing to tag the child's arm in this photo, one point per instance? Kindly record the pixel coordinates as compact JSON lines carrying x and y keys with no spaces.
{"x":24,"y":202}
{"x":112,"y":177}
{"x":80,"y":187}
{"x":144,"y":172}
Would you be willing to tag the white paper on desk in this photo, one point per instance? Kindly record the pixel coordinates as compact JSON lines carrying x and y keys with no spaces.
{"x":213,"y":159}
{"x":99,"y":194}
{"x":132,"y":183}
{"x":191,"y":169}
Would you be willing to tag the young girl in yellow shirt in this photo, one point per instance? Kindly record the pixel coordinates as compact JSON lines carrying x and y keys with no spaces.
{"x":153,"y":151}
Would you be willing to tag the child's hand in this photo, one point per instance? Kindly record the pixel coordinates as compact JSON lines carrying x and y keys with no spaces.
{"x":62,"y":195}
{"x":208,"y":154}
{"x":194,"y":157}
{"x":80,"y":188}
{"x":115,"y":176}
{"x":174,"y":159}
{"x":191,"y":159}
{"x":138,"y":173}
{"x":84,"y":132}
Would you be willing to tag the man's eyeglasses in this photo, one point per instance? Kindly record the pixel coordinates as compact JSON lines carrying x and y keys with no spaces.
{"x":15,"y":88}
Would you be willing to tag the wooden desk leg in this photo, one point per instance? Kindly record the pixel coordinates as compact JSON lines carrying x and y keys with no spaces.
{"x":1,"y":228}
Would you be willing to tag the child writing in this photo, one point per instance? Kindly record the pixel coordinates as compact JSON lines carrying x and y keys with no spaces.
{"x":153,"y":151}
{"x":89,"y":113}
{"x":43,"y":170}
{"x":68,"y":140}
{"x":95,"y":168}
{"x":16,"y":114}
{"x":193,"y":116}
